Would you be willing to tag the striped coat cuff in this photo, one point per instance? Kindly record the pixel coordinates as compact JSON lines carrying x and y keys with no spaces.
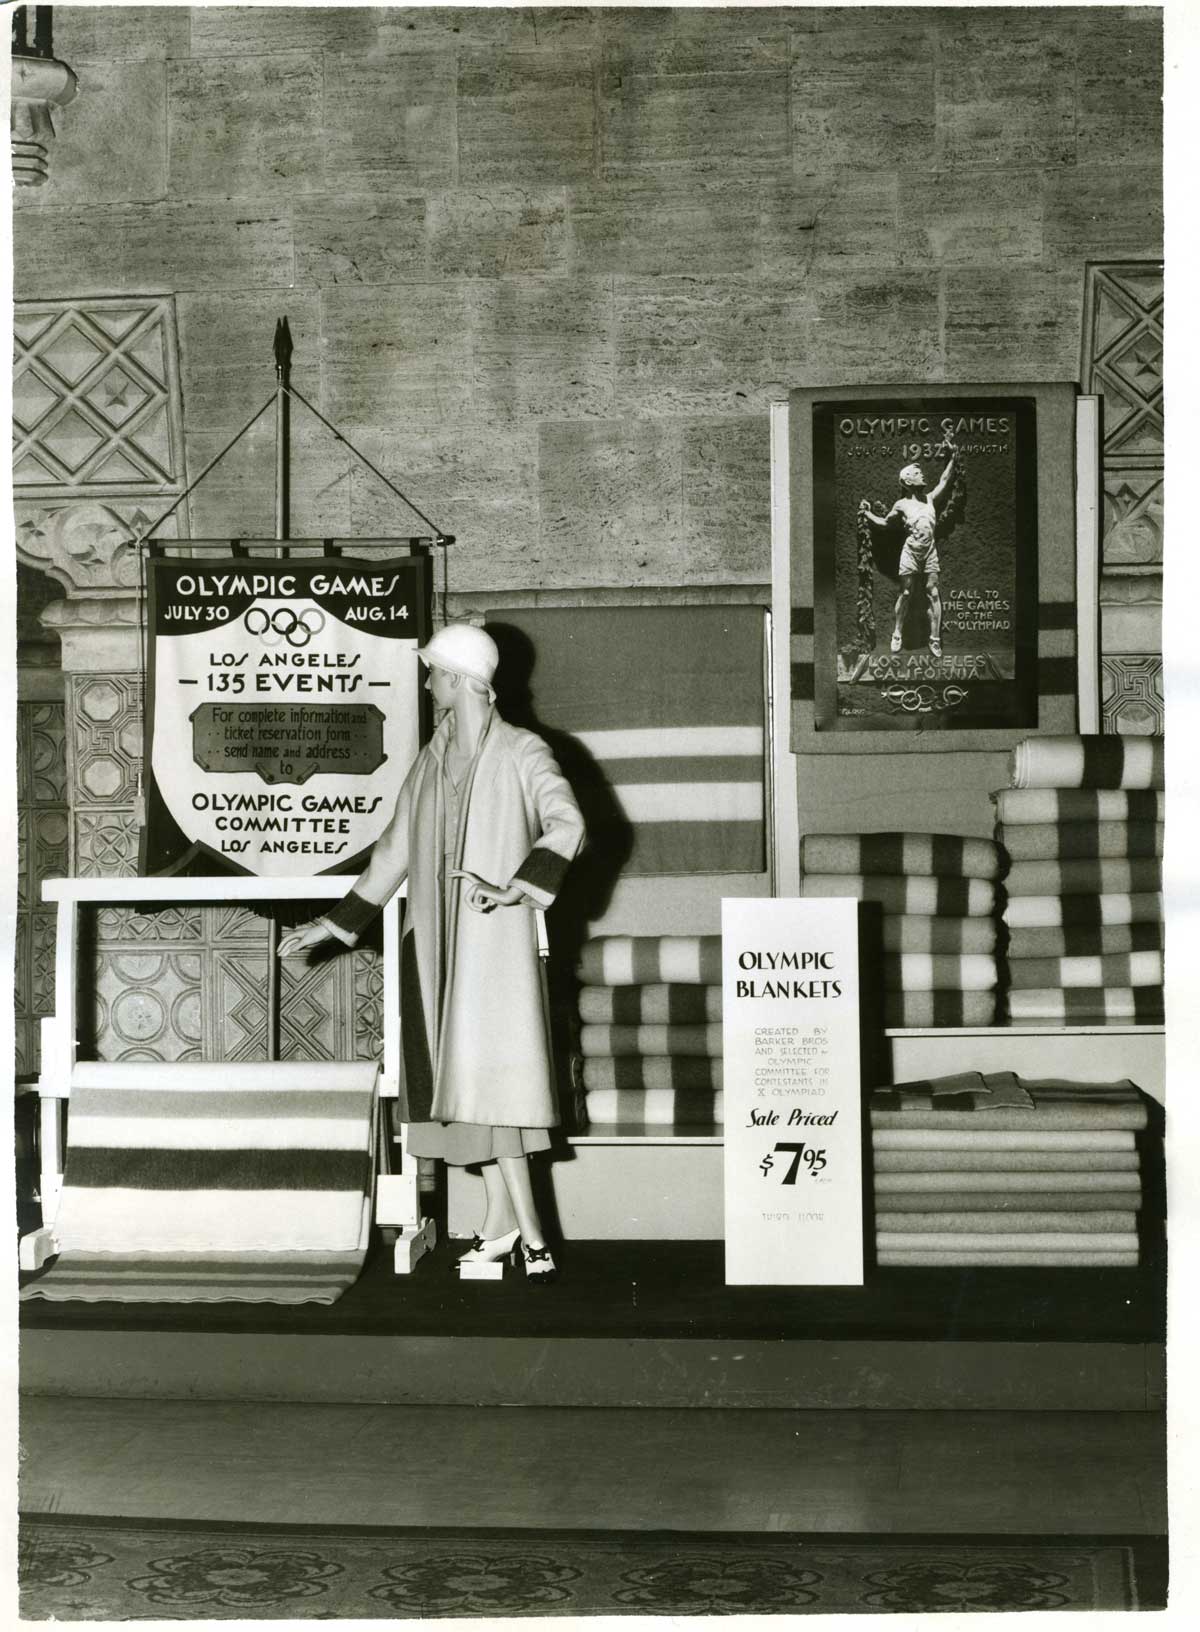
{"x":541,"y":874}
{"x":350,"y":917}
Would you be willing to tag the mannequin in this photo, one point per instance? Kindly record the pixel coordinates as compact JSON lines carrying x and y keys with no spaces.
{"x":484,"y":830}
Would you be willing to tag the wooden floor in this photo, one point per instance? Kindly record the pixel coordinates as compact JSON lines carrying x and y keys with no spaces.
{"x":830,"y":1472}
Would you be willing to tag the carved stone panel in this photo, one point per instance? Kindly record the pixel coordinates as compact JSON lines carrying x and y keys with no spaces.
{"x":1131,"y":695}
{"x":42,"y":833}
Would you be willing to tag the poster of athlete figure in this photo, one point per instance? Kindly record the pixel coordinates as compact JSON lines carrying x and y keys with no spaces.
{"x":925,"y":563}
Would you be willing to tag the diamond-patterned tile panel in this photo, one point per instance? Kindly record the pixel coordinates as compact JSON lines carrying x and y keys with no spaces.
{"x":71,"y":440}
{"x":70,"y":354}
{"x":32,"y":399}
{"x":42,"y":832}
{"x":117,"y":396}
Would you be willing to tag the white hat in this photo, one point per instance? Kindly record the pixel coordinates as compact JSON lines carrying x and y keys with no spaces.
{"x":912,"y":476}
{"x":462,"y":648}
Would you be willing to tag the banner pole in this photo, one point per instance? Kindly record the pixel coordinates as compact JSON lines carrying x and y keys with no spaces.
{"x":283,"y":426}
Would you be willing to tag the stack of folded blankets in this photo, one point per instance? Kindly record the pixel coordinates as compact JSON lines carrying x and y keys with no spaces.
{"x":938,"y":895}
{"x":650,"y":1032}
{"x":991,"y":1170}
{"x":1083,"y":827}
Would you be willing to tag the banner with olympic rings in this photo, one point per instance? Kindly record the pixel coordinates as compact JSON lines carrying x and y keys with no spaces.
{"x":283,"y":708}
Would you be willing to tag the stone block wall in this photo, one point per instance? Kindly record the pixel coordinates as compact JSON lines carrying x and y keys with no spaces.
{"x":549,"y":265}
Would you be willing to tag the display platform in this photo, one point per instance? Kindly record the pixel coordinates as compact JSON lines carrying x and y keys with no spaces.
{"x":635,"y":1323}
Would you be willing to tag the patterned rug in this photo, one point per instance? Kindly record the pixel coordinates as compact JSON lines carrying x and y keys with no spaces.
{"x":82,"y":1568}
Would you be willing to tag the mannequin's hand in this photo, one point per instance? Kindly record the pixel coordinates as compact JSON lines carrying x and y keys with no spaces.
{"x":481,"y":896}
{"x":299,"y":940}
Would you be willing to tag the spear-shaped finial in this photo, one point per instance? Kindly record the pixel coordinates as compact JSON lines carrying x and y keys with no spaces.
{"x":283,"y":349}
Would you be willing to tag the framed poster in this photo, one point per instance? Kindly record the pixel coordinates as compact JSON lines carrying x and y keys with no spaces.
{"x":933,"y":566}
{"x":283,"y":708}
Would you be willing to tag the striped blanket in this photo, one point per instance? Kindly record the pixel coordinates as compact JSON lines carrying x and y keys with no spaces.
{"x":1082,"y":841}
{"x":913,"y":972}
{"x":634,"y":1108}
{"x":938,"y":1009}
{"x":1099,"y":1223}
{"x":931,"y":897}
{"x":226,"y":1181}
{"x":637,"y":1074}
{"x":1088,"y":762}
{"x":908,"y":932}
{"x":1110,"y":875}
{"x":651,"y":1041}
{"x":1081,"y":1005}
{"x":654,"y":1005}
{"x":1085,"y":941}
{"x":1112,"y":969}
{"x":647,"y":960}
{"x":668,"y":702}
{"x":1017,"y":806}
{"x":936,"y":855}
{"x":1082,"y":911}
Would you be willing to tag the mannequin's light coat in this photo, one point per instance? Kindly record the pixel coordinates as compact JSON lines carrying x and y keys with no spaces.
{"x":483,"y":1053}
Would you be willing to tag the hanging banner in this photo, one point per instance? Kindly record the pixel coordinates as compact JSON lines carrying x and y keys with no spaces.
{"x":793,"y":1096}
{"x":283,"y":708}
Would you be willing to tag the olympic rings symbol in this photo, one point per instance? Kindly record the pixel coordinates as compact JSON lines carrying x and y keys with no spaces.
{"x":284,"y":624}
{"x":924,"y":699}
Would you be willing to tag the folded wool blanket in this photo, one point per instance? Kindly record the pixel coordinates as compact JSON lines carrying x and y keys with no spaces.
{"x":1081,"y":1005}
{"x":1107,"y":875}
{"x":675,"y":1041}
{"x":1006,"y":1260}
{"x":1084,"y":941}
{"x":1018,"y":806}
{"x":1014,"y":1201}
{"x":1005,"y":1161}
{"x":657,"y":1005}
{"x":1088,"y":762}
{"x":1081,"y":841}
{"x":1114,"y":969}
{"x":973,"y":1136}
{"x":960,"y":1090}
{"x":1104,"y":1116}
{"x":1100,"y":1223}
{"x":905,"y":932}
{"x":636,"y":1074}
{"x":902,"y":855}
{"x":1010,"y":1241}
{"x":646,"y":960}
{"x":939,"y":971}
{"x":932,"y":897}
{"x":890,"y":1184}
{"x":656,"y":1108}
{"x":939,"y":1009}
{"x":1082,"y":911}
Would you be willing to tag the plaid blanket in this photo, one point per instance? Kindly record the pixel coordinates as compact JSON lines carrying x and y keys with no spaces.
{"x":676,"y":1042}
{"x":1018,"y":806}
{"x":1111,"y":875}
{"x":1081,"y":841}
{"x":1088,"y":762}
{"x":1116,"y":969}
{"x":937,"y":855}
{"x":1082,"y":911}
{"x":1081,"y":1005}
{"x":1085,"y":941}
{"x":655,"y":1005}
{"x":932,"y":897}
{"x":646,"y":960}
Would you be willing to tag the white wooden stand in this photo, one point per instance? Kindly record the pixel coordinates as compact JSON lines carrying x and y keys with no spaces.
{"x":397,"y":1203}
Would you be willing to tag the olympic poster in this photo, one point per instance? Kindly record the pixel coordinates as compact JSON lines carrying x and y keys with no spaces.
{"x":283,"y":709}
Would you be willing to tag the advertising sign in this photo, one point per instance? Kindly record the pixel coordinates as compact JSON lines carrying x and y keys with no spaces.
{"x":793,"y":1118}
{"x":283,"y":708}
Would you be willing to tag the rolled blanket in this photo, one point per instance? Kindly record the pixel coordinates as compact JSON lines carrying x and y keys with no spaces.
{"x":1088,"y":762}
{"x":1014,"y":1201}
{"x":905,"y":1137}
{"x":932,"y":897}
{"x":645,"y":960}
{"x":1006,"y":1260}
{"x":1101,"y":1223}
{"x":1082,"y":841}
{"x":939,"y":1009}
{"x":904,"y":932}
{"x":1031,"y":1184}
{"x":1110,"y":875}
{"x":1005,"y":1161}
{"x":1081,"y":1005}
{"x":903,"y":855}
{"x":1082,"y":911}
{"x":658,"y":1005}
{"x":1080,"y":941}
{"x":930,"y":972}
{"x":656,"y":1108}
{"x":1010,"y":1241}
{"x":677,"y":1042}
{"x":1017,"y":806}
{"x":637,"y":1074}
{"x":1112,"y":969}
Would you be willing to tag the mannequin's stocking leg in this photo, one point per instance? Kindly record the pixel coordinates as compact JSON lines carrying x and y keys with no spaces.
{"x":515,"y":1170}
{"x":499,"y":1218}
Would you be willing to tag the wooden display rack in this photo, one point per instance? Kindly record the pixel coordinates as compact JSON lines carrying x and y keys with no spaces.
{"x":397,"y":1203}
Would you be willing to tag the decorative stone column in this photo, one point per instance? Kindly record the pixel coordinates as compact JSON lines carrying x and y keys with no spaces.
{"x":39,"y":85}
